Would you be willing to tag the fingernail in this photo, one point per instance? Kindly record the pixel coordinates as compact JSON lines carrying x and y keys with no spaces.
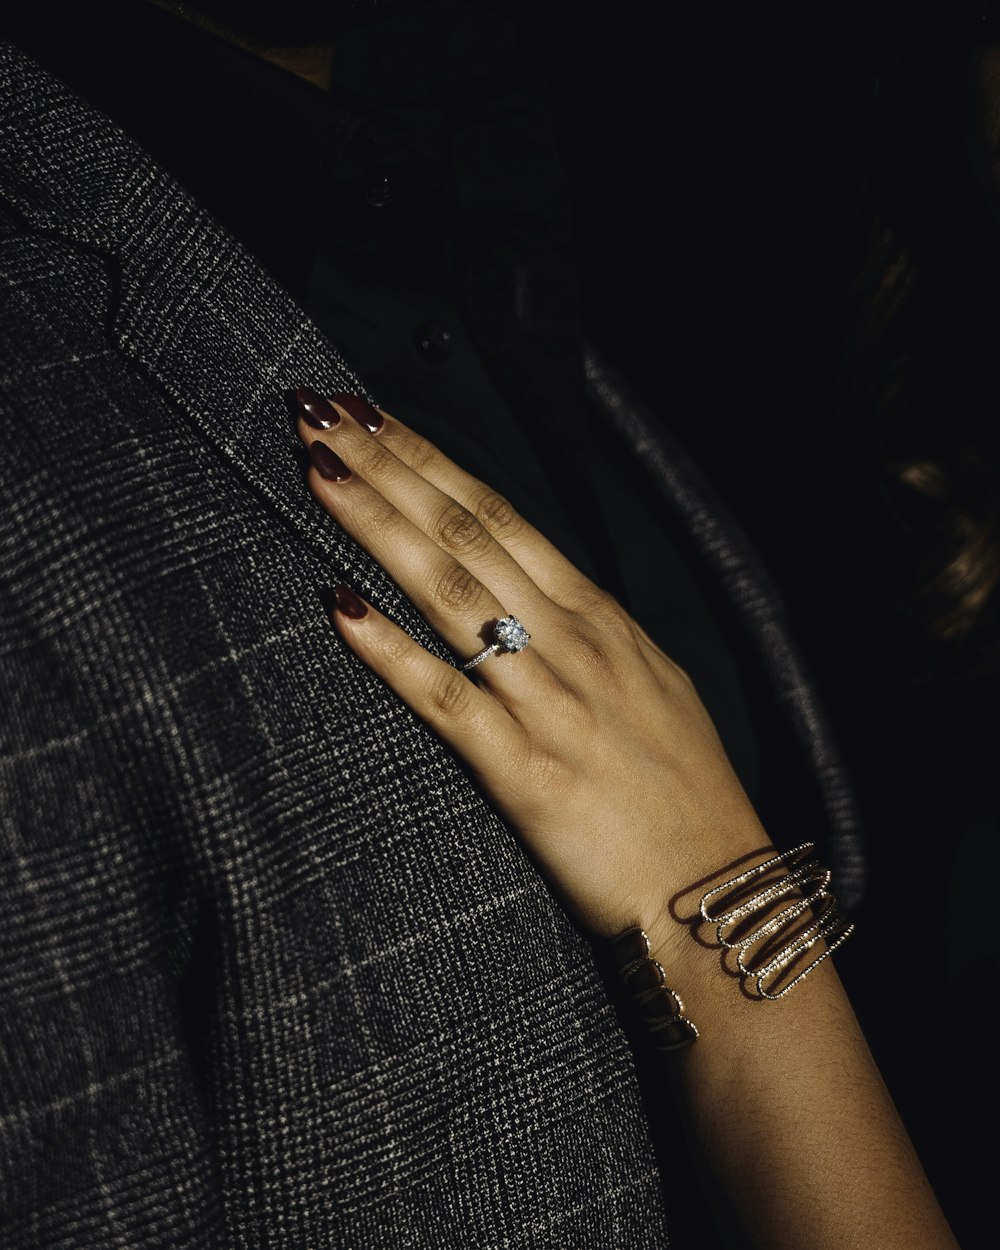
{"x":317,"y":411}
{"x":361,"y":410}
{"x":349,"y":603}
{"x":329,"y":463}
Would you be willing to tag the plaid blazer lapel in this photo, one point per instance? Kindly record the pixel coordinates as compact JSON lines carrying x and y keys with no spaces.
{"x":192,"y":308}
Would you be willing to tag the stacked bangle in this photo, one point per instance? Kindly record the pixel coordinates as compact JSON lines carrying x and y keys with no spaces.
{"x":795,"y":910}
{"x":659,"y":1006}
{"x":807,"y":885}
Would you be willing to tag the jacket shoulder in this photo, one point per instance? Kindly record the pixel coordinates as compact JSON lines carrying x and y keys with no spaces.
{"x":55,"y":300}
{"x":61,"y":164}
{"x":65,"y":167}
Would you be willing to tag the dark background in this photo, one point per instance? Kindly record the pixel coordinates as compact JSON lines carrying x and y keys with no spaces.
{"x":727,"y":167}
{"x":728,"y":164}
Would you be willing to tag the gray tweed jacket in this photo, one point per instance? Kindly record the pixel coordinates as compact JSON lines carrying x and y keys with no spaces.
{"x":272,"y":973}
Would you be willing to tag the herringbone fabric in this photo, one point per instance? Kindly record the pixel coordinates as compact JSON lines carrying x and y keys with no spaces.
{"x":272,"y":974}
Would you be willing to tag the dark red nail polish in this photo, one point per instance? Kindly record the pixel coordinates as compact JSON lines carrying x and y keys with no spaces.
{"x":349,"y":603}
{"x":361,"y":410}
{"x":329,"y":463}
{"x":314,"y":409}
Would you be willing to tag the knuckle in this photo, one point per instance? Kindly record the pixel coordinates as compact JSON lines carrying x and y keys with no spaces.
{"x":397,"y":651}
{"x":458,"y":530}
{"x":377,"y":460}
{"x":496,"y":514}
{"x":450,"y":693}
{"x":589,"y":653}
{"x":593,"y":603}
{"x":546,"y":773}
{"x":457,"y":588}
{"x":605,"y":619}
{"x":420,"y":454}
{"x":606,"y":608}
{"x":381,"y":516}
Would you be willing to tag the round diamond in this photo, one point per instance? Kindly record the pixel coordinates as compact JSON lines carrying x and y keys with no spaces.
{"x":510,"y":634}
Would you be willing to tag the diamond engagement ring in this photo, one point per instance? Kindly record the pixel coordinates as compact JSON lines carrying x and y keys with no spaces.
{"x":508,"y":635}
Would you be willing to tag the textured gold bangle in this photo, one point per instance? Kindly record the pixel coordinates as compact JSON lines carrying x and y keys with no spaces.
{"x":796,"y":910}
{"x":660,"y":1008}
{"x":806,"y":883}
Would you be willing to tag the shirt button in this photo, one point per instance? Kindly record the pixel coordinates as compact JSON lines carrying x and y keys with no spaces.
{"x":379,"y":193}
{"x":432,"y":341}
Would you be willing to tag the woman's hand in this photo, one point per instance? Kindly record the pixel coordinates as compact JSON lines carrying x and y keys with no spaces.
{"x":592,"y":743}
{"x":598,"y":751}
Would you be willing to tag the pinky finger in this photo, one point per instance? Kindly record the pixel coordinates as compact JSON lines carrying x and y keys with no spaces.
{"x":469,"y":719}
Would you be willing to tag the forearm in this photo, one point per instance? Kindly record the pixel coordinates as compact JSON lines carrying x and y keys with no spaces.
{"x":791,"y":1125}
{"x":785,"y":1109}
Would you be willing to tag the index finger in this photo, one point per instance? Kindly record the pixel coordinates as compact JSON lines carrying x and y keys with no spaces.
{"x":544,"y":563}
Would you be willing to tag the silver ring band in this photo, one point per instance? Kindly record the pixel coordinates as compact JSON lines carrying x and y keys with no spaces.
{"x":508,"y":635}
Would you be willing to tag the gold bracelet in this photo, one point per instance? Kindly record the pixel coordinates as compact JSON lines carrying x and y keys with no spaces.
{"x":660,"y":1008}
{"x":807,"y":884}
{"x":782,"y":938}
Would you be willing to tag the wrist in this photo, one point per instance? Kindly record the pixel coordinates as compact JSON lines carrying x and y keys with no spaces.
{"x":678,"y":935}
{"x":750,"y":932}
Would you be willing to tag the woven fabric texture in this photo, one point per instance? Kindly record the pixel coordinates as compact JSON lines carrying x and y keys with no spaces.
{"x":272,"y":973}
